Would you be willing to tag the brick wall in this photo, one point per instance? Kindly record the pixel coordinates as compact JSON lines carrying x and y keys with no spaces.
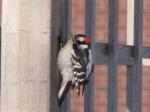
{"x":101,"y":75}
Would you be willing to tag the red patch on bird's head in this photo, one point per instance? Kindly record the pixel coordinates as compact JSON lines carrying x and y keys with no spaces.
{"x":87,"y":40}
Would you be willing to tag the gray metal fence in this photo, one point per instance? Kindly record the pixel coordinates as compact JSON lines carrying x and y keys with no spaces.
{"x":111,"y":54}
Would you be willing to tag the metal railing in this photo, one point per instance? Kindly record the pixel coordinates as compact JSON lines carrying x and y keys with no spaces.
{"x":111,"y":54}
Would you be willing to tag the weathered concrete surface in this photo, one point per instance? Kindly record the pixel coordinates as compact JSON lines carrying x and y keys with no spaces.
{"x":25,"y":70}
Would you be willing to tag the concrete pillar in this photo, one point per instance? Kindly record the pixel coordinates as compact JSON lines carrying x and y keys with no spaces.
{"x":25,"y":70}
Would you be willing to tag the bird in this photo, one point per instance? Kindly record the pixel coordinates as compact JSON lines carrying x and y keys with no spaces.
{"x":75,"y":64}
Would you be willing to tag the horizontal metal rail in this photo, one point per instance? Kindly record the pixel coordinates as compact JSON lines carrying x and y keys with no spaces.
{"x":125,"y":54}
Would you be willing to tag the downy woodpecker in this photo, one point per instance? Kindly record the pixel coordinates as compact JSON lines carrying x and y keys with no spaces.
{"x":75,"y":64}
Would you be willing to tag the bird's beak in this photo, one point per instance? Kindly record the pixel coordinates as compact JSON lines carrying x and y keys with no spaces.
{"x":71,"y":36}
{"x":87,"y":40}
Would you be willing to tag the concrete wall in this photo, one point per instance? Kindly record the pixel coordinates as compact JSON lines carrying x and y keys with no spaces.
{"x":25,"y":69}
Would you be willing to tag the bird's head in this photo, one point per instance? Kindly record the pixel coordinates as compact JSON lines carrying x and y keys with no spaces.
{"x":81,"y":41}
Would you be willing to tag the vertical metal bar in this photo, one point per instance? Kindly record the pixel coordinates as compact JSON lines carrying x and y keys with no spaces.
{"x":134,"y":90}
{"x":137,"y":76}
{"x":66,"y":10}
{"x":129,"y":88}
{"x":130,"y":40}
{"x":55,"y":33}
{"x":90,"y":31}
{"x":113,"y":55}
{"x":66,"y":17}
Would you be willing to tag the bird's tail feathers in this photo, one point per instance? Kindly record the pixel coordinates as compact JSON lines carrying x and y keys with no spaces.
{"x":65,"y":86}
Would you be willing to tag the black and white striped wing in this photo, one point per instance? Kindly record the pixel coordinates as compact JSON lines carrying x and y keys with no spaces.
{"x":82,"y":65}
{"x":79,"y":71}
